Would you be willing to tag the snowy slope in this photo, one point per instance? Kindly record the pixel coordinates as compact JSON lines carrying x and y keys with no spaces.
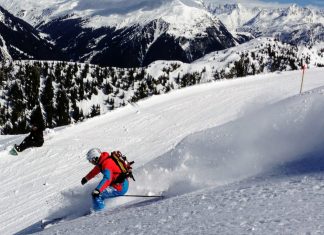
{"x":254,"y":128}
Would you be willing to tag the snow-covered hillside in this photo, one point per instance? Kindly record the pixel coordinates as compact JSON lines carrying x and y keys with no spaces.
{"x":261,"y":55}
{"x":228,"y":156}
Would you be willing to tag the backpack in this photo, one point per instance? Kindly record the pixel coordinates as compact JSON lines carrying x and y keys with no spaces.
{"x":124,"y":166}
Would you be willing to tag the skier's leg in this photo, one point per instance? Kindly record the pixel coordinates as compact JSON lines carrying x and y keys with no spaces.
{"x":123,"y":190}
{"x":98,"y":202}
{"x":115,"y":191}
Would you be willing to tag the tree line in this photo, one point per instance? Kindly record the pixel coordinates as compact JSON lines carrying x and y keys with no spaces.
{"x":52,"y":94}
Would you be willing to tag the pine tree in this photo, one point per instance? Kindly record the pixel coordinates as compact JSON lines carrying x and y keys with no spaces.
{"x":131,"y":77}
{"x":95,"y":110}
{"x":32,"y":84}
{"x":47,"y":99}
{"x":37,"y":118}
{"x":21,"y":126}
{"x":77,"y":114}
{"x":75,"y":68}
{"x":68,"y":81}
{"x":108,"y":89}
{"x":18,"y":106}
{"x":94,"y":90}
{"x":110,"y":103}
{"x":62,"y":108}
{"x":2,"y":77}
{"x":100,"y":77}
{"x":73,"y":95}
{"x":45,"y":70}
{"x":85,"y":71}
{"x":58,"y":73}
{"x":2,"y":115}
{"x":81,"y":90}
{"x":87,"y":89}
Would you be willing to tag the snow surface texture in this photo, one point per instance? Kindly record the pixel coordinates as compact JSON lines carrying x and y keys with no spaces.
{"x":229,"y":156}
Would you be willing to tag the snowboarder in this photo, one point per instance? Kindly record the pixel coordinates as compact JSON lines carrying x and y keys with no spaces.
{"x":34,"y":139}
{"x":113,"y":184}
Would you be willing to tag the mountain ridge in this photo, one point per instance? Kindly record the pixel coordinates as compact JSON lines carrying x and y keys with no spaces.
{"x":19,"y":40}
{"x":294,"y":24}
{"x":134,"y":34}
{"x":174,"y":31}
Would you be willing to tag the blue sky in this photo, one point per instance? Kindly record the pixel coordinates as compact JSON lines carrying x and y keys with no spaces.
{"x":319,"y":3}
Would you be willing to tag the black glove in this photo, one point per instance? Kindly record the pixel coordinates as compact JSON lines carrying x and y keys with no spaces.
{"x":95,"y":193}
{"x":84,"y":181}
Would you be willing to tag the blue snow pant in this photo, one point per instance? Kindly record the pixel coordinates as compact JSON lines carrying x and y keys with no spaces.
{"x":98,"y":202}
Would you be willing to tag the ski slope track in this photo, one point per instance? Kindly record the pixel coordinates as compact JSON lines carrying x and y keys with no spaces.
{"x":242,"y":156}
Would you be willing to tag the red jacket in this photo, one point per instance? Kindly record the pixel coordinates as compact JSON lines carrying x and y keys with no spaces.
{"x":110,"y":172}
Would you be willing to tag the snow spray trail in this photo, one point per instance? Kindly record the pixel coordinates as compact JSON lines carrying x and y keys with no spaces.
{"x":74,"y":204}
{"x":260,"y":141}
{"x":281,"y":133}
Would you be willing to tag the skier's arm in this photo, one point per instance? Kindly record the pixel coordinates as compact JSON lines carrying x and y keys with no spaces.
{"x":95,"y":171}
{"x":105,"y":182}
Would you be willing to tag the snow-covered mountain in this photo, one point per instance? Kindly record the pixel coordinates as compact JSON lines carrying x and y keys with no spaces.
{"x":19,"y":40}
{"x":293,"y":24}
{"x":127,"y":33}
{"x":229,"y":156}
{"x":233,"y":15}
{"x":35,"y":12}
{"x":136,"y":33}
